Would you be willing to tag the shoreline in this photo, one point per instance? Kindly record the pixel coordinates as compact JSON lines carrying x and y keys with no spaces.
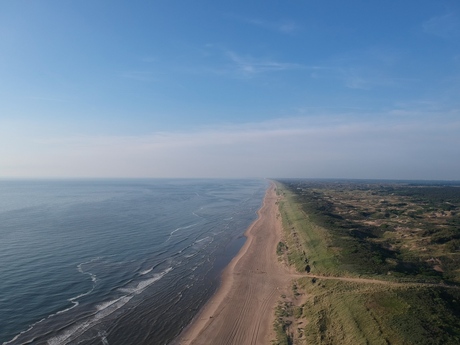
{"x":241,"y":310}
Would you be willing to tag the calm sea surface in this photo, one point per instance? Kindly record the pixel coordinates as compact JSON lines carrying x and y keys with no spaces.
{"x":115,"y":261}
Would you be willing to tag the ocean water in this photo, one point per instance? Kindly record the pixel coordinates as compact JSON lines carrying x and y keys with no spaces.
{"x":115,"y":261}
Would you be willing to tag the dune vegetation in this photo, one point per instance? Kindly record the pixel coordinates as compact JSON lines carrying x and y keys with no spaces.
{"x":377,"y":263}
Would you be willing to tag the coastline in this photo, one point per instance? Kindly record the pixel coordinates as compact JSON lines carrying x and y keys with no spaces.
{"x":241,"y":310}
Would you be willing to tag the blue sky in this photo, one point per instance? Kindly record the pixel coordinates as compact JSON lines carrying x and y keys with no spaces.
{"x":354,"y":89}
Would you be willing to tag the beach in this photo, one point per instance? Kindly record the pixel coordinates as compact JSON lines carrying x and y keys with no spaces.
{"x":241,"y":311}
{"x":116,"y":261}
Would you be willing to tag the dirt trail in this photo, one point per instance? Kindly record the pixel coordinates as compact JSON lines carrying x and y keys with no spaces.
{"x":371,"y":281}
{"x":241,"y":312}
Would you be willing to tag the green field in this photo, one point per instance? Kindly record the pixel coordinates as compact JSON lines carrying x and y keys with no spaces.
{"x":380,"y":264}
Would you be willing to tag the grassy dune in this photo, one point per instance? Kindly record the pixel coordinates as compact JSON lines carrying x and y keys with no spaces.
{"x":307,"y":244}
{"x":380,"y":295}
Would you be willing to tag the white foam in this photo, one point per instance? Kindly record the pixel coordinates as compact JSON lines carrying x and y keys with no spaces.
{"x":180,"y":228}
{"x":72,"y":300}
{"x":119,"y":302}
{"x":197,"y":215}
{"x":203,"y":239}
{"x":143,"y":273}
{"x":23,"y":332}
{"x":141,"y":286}
{"x":104,"y":340}
{"x":103,"y":310}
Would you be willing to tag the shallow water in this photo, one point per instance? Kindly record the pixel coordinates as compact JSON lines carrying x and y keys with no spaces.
{"x":115,"y":261}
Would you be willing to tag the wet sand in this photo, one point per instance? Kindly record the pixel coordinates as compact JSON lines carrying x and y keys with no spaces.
{"x":242,"y":310}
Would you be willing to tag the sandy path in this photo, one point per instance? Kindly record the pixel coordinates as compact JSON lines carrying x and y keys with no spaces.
{"x":373,"y":281}
{"x":241,"y":312}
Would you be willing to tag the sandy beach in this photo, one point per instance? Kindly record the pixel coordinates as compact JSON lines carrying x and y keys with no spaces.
{"x":241,"y":311}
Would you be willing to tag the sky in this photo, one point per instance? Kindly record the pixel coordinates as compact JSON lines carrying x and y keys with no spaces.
{"x":230,"y":89}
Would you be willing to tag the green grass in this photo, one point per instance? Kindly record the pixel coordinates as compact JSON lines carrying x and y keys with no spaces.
{"x":281,"y":325}
{"x":355,"y":313}
{"x":281,"y":248}
{"x":322,"y":311}
{"x":308,"y":244}
{"x":345,"y":239}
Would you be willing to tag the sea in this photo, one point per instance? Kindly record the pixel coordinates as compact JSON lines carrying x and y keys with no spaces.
{"x":115,"y":261}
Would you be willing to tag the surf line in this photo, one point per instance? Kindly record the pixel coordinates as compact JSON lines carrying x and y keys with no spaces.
{"x":72,"y":300}
{"x":105,"y":309}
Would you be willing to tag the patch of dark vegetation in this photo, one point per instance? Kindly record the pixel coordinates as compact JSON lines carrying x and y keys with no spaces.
{"x":281,"y":332}
{"x":433,"y":194}
{"x":446,"y":235}
{"x":431,"y":317}
{"x":406,"y":234}
{"x":281,"y":248}
{"x":419,"y":269}
{"x":282,"y":324}
{"x":391,"y":229}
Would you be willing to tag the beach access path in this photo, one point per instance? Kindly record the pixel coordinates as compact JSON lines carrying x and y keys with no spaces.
{"x":242,"y":310}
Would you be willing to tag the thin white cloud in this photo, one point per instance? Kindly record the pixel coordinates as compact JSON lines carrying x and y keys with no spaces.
{"x":248,"y":65}
{"x":355,"y":80}
{"x":360,"y":78}
{"x":445,"y":26}
{"x":364,"y":69}
{"x":390,"y":147}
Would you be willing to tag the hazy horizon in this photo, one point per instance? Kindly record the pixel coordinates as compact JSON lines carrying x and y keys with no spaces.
{"x":330,"y":89}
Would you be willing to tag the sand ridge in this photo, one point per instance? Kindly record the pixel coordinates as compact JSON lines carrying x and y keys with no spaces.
{"x":242,"y":310}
